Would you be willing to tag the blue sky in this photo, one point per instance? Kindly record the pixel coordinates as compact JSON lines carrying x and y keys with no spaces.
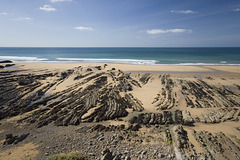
{"x":119,"y":23}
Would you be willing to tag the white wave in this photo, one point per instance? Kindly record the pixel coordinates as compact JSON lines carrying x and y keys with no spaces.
{"x":207,"y":64}
{"x":121,"y":61}
{"x":25,"y":59}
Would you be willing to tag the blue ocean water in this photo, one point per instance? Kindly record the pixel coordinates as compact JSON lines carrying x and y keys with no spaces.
{"x":153,"y":56}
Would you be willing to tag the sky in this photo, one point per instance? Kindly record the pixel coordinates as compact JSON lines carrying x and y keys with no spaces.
{"x":119,"y":23}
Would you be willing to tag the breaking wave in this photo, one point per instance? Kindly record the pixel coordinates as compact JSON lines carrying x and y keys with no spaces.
{"x":23,"y":59}
{"x":120,"y":61}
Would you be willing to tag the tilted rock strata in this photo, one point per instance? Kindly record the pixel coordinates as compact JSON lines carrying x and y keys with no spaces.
{"x":217,"y":146}
{"x":166,"y":98}
{"x":220,"y":115}
{"x":181,"y":117}
{"x":199,"y":94}
{"x":98,"y":100}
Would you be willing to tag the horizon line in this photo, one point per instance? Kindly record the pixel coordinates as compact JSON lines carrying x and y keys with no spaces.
{"x":112,"y":47}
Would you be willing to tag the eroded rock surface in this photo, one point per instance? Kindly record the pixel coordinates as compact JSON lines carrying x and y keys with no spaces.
{"x":220,"y":115}
{"x":181,"y":117}
{"x":107,"y":119}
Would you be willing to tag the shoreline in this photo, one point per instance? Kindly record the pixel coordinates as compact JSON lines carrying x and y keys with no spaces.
{"x":176,"y":64}
{"x":135,"y":67}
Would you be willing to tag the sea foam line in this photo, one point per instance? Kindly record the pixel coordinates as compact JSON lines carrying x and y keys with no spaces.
{"x":206,"y":64}
{"x":26,"y":59}
{"x":121,"y":61}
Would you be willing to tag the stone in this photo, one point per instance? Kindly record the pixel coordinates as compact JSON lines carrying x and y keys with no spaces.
{"x":186,"y":118}
{"x":10,"y":139}
{"x":106,"y":154}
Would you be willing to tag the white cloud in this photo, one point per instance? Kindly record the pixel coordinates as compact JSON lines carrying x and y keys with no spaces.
{"x":3,"y":13}
{"x":183,"y":12}
{"x":161,"y":31}
{"x":54,"y":1}
{"x":47,"y":8}
{"x":23,"y":19}
{"x":237,"y":10}
{"x":84,"y":28}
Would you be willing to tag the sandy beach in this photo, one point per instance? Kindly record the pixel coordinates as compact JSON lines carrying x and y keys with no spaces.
{"x":136,"y":111}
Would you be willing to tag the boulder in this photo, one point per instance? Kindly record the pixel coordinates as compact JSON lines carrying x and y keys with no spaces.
{"x":10,"y":139}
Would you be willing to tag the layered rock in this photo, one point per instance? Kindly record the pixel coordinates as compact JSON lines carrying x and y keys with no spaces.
{"x":166,"y":99}
{"x":183,"y":148}
{"x":145,"y":78}
{"x":181,"y":117}
{"x":94,"y":96}
{"x":217,"y":146}
{"x":217,"y":116}
{"x":199,"y":94}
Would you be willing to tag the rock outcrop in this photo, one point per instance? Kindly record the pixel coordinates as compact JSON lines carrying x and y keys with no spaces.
{"x":181,"y":117}
{"x":207,"y":96}
{"x":166,"y":99}
{"x":217,"y":116}
{"x":105,"y":96}
{"x":217,"y":146}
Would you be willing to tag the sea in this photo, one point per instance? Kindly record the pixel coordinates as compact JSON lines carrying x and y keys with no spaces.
{"x":149,"y":56}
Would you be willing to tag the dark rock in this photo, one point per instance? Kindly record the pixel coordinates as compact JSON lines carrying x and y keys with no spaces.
{"x":9,"y":65}
{"x":25,"y":80}
{"x":66,"y":74}
{"x":99,"y":67}
{"x":136,"y":127}
{"x":149,"y":118}
{"x":117,"y":157}
{"x":6,"y":61}
{"x":10,"y":139}
{"x":178,"y":117}
{"x":167,"y":116}
{"x":106,"y":155}
{"x":134,"y":119}
{"x":1,"y":67}
{"x":145,"y":78}
{"x":89,"y":69}
{"x":98,"y":128}
{"x":183,"y":117}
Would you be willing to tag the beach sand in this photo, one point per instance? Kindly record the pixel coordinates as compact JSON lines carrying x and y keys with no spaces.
{"x":72,"y":95}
